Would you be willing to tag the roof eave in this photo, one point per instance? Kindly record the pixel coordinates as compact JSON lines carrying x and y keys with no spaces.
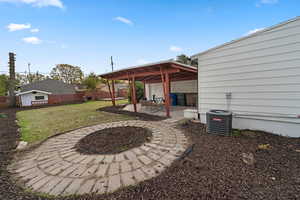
{"x":248,"y":36}
{"x":30,"y":91}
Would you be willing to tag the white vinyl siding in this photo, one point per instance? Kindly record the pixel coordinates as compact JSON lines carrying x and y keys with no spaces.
{"x":262,"y":73}
{"x":189,"y":86}
{"x":154,"y":89}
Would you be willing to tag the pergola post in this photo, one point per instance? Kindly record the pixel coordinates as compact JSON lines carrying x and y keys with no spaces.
{"x":144,"y":84}
{"x":167,"y":96}
{"x":113,"y":93}
{"x":133,"y":96}
{"x":165,"y":79}
{"x":110,"y":93}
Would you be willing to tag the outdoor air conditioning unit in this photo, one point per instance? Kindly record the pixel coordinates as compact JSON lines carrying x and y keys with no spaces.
{"x":219,"y":122}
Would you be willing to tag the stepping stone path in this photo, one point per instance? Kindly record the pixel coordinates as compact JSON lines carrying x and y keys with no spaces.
{"x":56,"y":168}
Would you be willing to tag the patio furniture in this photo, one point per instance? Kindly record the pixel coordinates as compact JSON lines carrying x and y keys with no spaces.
{"x":153,"y":106}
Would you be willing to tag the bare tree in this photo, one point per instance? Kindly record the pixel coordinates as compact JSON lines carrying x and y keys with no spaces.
{"x":23,"y":79}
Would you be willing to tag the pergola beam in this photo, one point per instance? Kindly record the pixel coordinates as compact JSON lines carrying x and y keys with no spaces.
{"x":142,"y":74}
{"x":184,"y":68}
{"x":173,"y":78}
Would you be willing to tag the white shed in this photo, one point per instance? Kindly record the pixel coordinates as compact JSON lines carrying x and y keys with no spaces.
{"x":33,"y":97}
{"x":257,"y":77}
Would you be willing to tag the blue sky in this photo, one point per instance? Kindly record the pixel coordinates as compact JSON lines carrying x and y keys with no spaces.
{"x":86,"y":33}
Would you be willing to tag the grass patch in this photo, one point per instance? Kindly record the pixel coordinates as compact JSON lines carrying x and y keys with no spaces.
{"x":38,"y":124}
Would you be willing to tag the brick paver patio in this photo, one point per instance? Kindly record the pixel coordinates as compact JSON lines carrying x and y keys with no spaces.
{"x":56,"y":168}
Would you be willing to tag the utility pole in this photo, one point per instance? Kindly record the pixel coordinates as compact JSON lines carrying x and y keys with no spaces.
{"x":29,"y":76}
{"x":112,"y":63}
{"x":12,"y":79}
{"x":112,"y":82}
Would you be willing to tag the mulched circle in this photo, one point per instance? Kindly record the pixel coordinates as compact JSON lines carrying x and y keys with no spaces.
{"x":141,"y":116}
{"x":213,"y":170}
{"x":113,"y":140}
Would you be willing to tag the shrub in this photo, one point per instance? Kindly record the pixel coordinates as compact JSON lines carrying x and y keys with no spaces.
{"x":139,"y":91}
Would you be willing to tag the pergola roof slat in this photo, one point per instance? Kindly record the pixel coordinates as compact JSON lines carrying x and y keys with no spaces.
{"x":151,"y":72}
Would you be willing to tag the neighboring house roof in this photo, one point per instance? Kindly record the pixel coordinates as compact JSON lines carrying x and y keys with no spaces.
{"x":51,"y":86}
{"x":249,"y":36}
{"x":31,"y":91}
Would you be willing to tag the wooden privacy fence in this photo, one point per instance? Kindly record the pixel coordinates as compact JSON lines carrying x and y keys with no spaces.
{"x":4,"y":102}
{"x":98,"y":95}
{"x":65,"y":98}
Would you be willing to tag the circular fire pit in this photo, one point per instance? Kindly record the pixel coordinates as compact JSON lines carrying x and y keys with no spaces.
{"x":113,"y":140}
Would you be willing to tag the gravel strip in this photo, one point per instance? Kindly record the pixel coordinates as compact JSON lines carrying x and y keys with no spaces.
{"x":140,"y":116}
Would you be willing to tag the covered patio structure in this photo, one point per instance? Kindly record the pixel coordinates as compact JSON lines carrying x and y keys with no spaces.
{"x":164,"y":72}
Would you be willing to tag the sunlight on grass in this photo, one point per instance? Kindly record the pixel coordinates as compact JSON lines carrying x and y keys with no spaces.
{"x":38,"y":124}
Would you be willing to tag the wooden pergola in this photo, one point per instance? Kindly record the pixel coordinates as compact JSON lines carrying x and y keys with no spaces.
{"x":161,"y":72}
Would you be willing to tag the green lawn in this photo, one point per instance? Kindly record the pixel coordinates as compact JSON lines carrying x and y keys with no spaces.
{"x":38,"y":124}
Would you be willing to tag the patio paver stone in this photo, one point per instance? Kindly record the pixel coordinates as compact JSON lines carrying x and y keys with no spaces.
{"x":56,"y":168}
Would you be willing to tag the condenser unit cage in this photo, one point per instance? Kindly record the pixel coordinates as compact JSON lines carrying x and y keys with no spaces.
{"x":219,"y":122}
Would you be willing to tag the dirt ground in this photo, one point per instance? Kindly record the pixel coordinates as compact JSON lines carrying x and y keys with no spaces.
{"x":215,"y":169}
{"x":113,"y":140}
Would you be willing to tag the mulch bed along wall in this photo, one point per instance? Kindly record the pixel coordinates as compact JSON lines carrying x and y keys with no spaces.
{"x":140,"y":116}
{"x":213,"y":170}
{"x":113,"y":140}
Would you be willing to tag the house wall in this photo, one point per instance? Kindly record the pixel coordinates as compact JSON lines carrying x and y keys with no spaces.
{"x":262,"y":74}
{"x":26,"y":99}
{"x":154,"y":89}
{"x":189,"y":86}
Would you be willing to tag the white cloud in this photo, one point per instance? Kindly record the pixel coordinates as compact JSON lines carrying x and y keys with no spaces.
{"x":16,"y":27}
{"x":35,"y":30}
{"x":141,"y":61}
{"x":38,"y":3}
{"x":254,"y":31}
{"x":32,"y":40}
{"x":124,"y":20}
{"x":175,"y":48}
